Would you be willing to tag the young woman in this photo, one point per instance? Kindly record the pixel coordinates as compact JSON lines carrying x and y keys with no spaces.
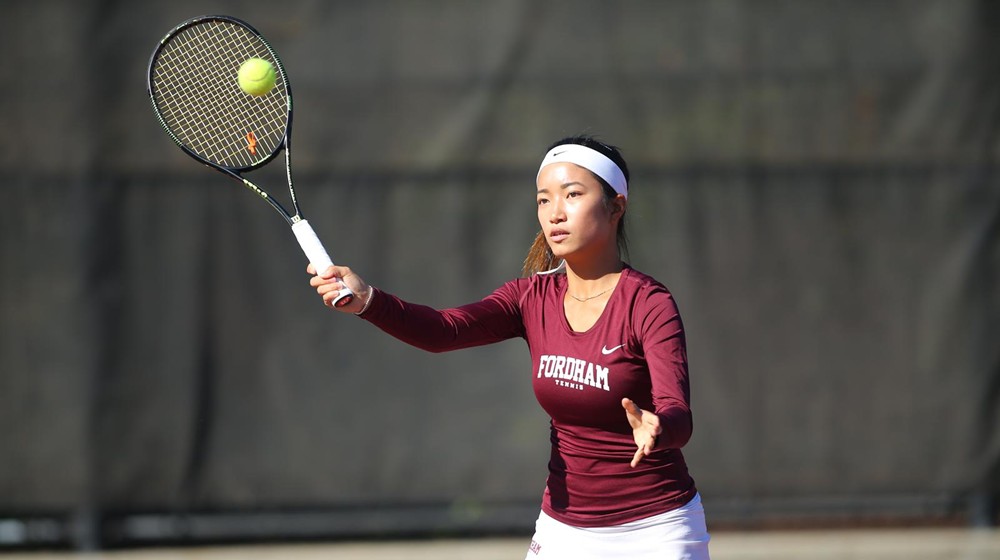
{"x":609,"y":366}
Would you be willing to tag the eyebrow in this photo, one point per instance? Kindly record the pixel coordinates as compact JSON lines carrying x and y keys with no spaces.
{"x":562,"y":186}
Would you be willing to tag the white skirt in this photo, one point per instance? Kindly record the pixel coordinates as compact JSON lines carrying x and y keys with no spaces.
{"x":675,"y":535}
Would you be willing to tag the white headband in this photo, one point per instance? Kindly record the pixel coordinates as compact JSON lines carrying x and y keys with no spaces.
{"x":590,"y":159}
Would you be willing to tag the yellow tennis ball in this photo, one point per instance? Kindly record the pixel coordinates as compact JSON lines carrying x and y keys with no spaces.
{"x":257,"y":76}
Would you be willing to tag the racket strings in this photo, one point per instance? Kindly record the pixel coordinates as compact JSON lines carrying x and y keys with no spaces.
{"x":221,"y":99}
{"x":201,"y":104}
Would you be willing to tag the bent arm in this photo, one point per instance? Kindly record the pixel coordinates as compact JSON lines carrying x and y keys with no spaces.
{"x":666,"y":355}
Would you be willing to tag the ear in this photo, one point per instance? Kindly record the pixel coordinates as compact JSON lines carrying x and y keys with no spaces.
{"x":617,"y":206}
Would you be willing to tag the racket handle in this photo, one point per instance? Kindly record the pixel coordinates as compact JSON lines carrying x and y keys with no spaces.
{"x":318,"y":257}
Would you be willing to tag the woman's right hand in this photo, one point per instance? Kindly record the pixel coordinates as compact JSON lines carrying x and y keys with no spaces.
{"x":329,"y":282}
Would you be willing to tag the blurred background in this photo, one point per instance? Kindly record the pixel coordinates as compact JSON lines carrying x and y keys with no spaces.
{"x":816,"y":182}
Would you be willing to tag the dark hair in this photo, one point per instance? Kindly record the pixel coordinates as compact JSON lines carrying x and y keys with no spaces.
{"x":540,"y":257}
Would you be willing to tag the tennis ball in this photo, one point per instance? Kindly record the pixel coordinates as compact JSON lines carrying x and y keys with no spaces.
{"x":257,"y":76}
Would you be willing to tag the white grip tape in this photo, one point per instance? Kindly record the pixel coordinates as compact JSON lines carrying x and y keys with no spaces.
{"x":311,"y":245}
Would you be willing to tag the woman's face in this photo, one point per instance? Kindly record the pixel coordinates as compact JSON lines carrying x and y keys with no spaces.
{"x":572,"y":213}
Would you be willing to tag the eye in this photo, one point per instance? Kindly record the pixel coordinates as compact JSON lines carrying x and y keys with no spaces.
{"x":542,"y":201}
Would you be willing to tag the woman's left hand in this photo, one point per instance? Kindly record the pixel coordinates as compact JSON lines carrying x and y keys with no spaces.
{"x":645,"y":429}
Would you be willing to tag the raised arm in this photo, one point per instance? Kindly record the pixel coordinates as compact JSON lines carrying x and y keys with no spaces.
{"x":494,"y":318}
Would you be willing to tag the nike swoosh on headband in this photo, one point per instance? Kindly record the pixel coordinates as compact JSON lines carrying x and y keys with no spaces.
{"x":590,"y":159}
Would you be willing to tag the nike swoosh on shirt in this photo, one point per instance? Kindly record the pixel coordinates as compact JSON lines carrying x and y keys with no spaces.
{"x":605,"y":350}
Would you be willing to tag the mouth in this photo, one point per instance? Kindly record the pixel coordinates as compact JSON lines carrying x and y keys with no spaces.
{"x":558,"y":235}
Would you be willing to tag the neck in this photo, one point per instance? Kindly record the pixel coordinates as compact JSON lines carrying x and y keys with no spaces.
{"x":587,"y":278}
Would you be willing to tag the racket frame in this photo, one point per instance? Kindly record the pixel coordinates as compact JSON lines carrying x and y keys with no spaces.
{"x":300,"y":226}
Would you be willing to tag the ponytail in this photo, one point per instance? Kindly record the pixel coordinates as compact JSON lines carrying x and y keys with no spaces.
{"x":540,"y":257}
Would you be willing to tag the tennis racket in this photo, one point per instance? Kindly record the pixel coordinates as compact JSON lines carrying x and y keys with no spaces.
{"x":193,"y":86}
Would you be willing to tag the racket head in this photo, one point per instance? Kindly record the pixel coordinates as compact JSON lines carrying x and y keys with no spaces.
{"x":194,"y":89}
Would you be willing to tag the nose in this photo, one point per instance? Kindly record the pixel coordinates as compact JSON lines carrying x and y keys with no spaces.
{"x":556,"y":213}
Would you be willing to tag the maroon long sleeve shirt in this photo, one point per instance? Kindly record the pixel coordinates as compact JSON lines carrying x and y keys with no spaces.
{"x":636,"y":349}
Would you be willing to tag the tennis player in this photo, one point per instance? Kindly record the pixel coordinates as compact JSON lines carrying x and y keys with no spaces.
{"x":609,"y":366}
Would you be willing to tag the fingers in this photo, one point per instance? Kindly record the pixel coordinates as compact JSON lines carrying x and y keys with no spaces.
{"x":633,"y":413}
{"x":329,"y":298}
{"x":327,"y":288}
{"x":334,"y":271}
{"x":321,"y":284}
{"x":639,"y":454}
{"x":631,"y":408}
{"x":327,"y":285}
{"x":644,"y":449}
{"x":645,"y":428}
{"x":333,"y":281}
{"x":333,"y":278}
{"x":641,"y":416}
{"x":330,"y":272}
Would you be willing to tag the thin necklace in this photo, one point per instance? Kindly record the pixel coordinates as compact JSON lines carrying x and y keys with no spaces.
{"x":590,"y":297}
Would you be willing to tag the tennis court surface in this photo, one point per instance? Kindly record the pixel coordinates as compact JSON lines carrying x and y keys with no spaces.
{"x":896,"y":544}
